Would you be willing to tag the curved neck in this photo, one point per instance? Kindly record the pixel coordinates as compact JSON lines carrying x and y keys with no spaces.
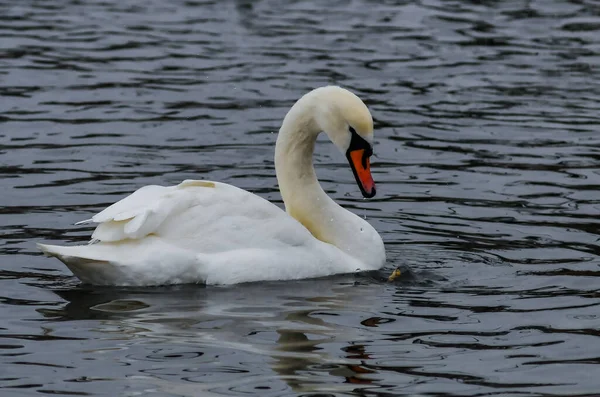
{"x":304,"y":198}
{"x":302,"y":194}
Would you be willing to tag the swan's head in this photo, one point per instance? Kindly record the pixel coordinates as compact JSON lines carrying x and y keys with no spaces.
{"x":348,"y":123}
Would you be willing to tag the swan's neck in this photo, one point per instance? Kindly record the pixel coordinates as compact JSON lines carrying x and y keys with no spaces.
{"x":302,"y":194}
{"x":304,"y":198}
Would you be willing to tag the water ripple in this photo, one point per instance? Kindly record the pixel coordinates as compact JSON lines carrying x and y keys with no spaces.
{"x":486,"y":117}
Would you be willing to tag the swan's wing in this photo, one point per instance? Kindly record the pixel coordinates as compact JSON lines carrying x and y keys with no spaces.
{"x":142,"y":212}
{"x":200,"y":216}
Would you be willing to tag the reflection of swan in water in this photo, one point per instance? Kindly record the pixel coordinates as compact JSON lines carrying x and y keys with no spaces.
{"x":287,"y":327}
{"x":305,"y":355}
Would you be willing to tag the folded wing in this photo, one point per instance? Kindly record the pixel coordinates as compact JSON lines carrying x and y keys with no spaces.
{"x":144,"y":211}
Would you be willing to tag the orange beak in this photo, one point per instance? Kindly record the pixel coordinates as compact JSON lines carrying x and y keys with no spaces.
{"x":361,"y":167}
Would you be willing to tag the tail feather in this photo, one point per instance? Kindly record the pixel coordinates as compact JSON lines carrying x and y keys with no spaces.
{"x":88,"y":269}
{"x":66,"y":253}
{"x":50,"y":250}
{"x":131,"y":263}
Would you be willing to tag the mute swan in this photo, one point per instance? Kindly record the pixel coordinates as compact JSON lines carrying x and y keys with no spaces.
{"x":214,"y":233}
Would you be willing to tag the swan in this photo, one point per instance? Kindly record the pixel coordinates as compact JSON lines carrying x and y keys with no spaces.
{"x":214,"y":233}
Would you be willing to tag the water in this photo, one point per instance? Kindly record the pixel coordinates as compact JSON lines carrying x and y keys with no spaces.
{"x":487,"y":164}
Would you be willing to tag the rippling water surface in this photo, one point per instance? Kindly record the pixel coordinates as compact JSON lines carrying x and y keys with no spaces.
{"x":488,"y":170}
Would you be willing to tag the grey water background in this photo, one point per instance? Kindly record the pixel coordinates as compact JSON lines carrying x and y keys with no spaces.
{"x":487,"y":164}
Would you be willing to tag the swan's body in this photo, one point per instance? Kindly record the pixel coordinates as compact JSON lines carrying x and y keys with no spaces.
{"x":215,"y":233}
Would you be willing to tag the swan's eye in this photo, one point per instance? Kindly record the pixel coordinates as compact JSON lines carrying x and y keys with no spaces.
{"x":352,"y":130}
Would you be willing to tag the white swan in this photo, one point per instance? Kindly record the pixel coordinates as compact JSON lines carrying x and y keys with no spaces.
{"x":215,"y":233}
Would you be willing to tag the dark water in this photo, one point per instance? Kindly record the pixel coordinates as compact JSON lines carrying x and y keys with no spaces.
{"x":488,"y":171}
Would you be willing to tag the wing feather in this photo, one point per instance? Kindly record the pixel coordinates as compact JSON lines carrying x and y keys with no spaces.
{"x":143,"y":212}
{"x":131,"y":205}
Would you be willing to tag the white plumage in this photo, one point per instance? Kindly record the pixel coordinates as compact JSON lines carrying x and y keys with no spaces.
{"x":215,"y":233}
